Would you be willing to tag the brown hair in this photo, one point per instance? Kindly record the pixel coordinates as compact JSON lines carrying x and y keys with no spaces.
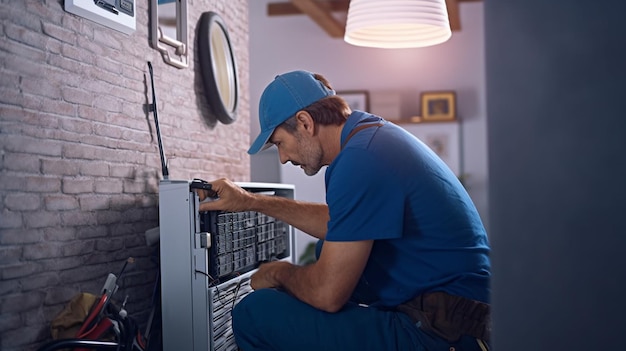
{"x":331,"y":110}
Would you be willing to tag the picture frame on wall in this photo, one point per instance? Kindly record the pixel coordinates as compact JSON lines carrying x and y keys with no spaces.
{"x":439,"y":143}
{"x":356,"y":99}
{"x":438,"y":106}
{"x":444,"y":139}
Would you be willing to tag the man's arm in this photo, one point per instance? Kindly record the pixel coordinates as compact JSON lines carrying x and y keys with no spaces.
{"x":326,"y":284}
{"x":311,"y":218}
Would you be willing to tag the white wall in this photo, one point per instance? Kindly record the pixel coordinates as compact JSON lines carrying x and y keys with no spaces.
{"x":284,"y":43}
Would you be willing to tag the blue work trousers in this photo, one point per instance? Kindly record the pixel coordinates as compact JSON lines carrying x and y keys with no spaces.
{"x":269,"y":319}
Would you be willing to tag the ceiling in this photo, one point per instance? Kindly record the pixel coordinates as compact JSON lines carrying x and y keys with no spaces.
{"x":330,"y":14}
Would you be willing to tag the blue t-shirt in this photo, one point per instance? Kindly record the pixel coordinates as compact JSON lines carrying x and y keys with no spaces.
{"x":388,"y":186}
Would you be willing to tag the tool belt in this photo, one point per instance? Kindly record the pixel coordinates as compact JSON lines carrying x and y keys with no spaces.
{"x":449,"y":316}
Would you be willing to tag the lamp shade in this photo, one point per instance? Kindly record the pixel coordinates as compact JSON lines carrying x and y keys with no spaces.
{"x":397,"y":23}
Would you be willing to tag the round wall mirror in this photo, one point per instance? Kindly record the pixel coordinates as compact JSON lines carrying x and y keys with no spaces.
{"x":219,"y":70}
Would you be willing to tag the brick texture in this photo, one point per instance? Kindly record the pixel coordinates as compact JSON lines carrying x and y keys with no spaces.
{"x":79,"y":162}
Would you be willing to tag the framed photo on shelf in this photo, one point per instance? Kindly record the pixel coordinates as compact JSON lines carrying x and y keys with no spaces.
{"x":438,"y":106}
{"x":356,"y":99}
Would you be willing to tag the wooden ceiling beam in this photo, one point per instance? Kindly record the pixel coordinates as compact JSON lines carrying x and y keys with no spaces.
{"x":288,"y":8}
{"x":454,"y":17}
{"x":322,"y":16}
{"x":320,"y":11}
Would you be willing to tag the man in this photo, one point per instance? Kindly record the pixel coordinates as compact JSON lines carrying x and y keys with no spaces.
{"x":404,"y":263}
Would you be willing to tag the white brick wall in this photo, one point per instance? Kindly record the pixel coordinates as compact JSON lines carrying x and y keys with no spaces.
{"x":79,"y":163}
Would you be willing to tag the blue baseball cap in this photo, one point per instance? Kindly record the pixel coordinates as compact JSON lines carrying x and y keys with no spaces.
{"x":287,"y":94}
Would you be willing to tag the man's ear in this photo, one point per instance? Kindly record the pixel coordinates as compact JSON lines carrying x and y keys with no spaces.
{"x":305,"y":121}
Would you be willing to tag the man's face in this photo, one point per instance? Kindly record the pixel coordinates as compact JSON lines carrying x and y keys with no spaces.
{"x":300,"y":149}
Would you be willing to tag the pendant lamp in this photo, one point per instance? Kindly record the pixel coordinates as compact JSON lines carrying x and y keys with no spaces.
{"x":397,"y":23}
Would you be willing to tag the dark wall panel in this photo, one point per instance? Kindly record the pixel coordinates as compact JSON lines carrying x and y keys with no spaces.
{"x":556,"y":92}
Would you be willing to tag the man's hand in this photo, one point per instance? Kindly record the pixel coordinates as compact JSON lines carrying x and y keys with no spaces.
{"x":265,"y":276}
{"x":230,"y":197}
{"x":326,"y":284}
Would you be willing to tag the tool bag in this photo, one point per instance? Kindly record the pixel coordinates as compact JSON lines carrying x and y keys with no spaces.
{"x":71,"y":320}
{"x":449,"y":316}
